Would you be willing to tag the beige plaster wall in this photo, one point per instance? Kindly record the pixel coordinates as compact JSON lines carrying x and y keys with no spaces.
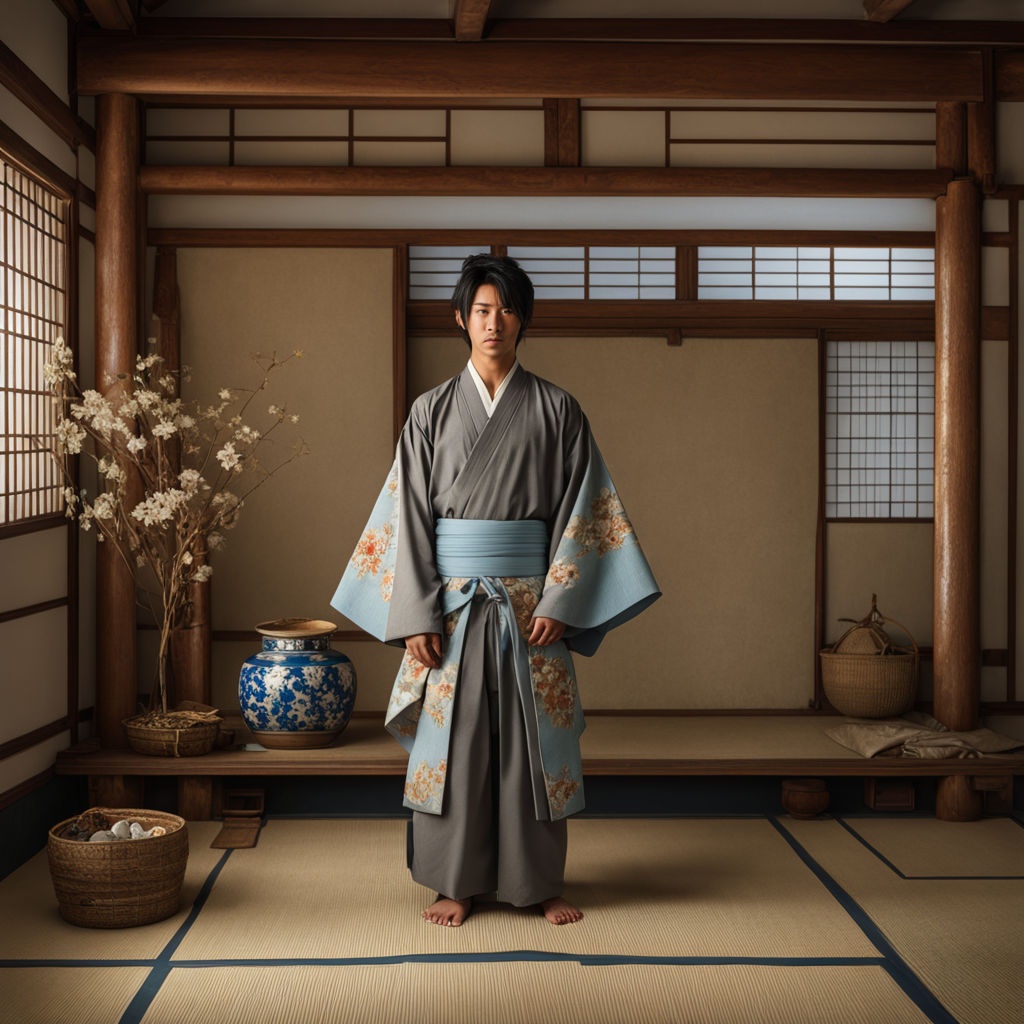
{"x":296,"y":533}
{"x":713,"y":447}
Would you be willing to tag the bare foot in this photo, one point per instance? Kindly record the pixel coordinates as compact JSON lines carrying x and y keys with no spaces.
{"x":447,"y":912}
{"x":560,"y":911}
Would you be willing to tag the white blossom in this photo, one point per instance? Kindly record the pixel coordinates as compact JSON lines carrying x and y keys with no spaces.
{"x":275,"y":410}
{"x":224,"y":394}
{"x":164,"y":429}
{"x":227,"y":456}
{"x":70,"y":436}
{"x":159,"y":508}
{"x":294,"y":418}
{"x":186,"y":558}
{"x":104,"y":506}
{"x":185,"y":422}
{"x":215,"y":541}
{"x":136,"y":444}
{"x":190,"y":480}
{"x":202,"y":573}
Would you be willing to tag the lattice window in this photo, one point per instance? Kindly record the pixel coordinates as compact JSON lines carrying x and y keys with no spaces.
{"x":880,"y":429}
{"x":434,"y":269}
{"x":768,"y":272}
{"x":557,"y":271}
{"x":33,"y":292}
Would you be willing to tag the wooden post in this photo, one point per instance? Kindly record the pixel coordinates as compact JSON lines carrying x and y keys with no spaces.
{"x":117,"y":161}
{"x":957,"y":458}
{"x":951,"y":136}
{"x":190,"y":646}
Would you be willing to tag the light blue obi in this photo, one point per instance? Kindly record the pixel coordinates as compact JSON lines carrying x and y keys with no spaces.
{"x":491,"y":547}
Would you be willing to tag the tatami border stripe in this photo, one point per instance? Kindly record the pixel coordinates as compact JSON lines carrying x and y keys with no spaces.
{"x":142,"y":999}
{"x":899,"y":970}
{"x":924,"y":878}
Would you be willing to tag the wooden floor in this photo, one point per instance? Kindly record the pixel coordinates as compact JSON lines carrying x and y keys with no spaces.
{"x":612,"y":745}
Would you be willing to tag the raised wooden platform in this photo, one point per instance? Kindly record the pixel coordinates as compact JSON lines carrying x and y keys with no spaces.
{"x":612,"y":745}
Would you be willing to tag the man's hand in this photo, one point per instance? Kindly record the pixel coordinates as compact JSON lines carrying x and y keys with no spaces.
{"x":425,"y":648}
{"x":544,"y":631}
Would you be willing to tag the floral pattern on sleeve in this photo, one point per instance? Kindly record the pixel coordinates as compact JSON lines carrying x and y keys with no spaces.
{"x":554,"y":688}
{"x":561,"y":789}
{"x":425,"y":786}
{"x":605,"y":529}
{"x":370,"y":551}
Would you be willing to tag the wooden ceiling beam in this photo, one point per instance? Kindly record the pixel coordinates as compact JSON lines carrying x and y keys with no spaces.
{"x":113,"y":15}
{"x":884,"y":10}
{"x":298,"y":68}
{"x":469,"y":19}
{"x":834,"y":30}
{"x":541,"y":181}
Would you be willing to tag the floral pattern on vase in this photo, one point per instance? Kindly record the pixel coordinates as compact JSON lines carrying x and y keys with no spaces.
{"x":297,"y":691}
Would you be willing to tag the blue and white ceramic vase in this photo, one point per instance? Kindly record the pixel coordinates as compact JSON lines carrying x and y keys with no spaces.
{"x":297,"y":691}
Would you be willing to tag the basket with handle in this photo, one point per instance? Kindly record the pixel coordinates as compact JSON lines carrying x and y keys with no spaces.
{"x":122,"y":883}
{"x":865,"y":675}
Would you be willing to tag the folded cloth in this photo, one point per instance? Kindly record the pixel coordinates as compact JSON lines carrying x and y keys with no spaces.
{"x":917,"y":735}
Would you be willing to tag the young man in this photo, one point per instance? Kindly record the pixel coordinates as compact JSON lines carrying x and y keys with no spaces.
{"x":497,"y":543}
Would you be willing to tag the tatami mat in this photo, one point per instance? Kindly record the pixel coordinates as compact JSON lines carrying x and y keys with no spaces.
{"x":76,"y":995}
{"x":681,"y":887}
{"x":926,"y":846}
{"x":26,"y":896}
{"x":532,"y":993}
{"x":964,"y":939}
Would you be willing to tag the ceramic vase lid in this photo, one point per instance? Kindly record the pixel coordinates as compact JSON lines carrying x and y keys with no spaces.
{"x":296,"y":628}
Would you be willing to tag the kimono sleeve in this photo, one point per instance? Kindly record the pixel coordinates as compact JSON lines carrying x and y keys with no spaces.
{"x":598,"y":577}
{"x":390,"y":586}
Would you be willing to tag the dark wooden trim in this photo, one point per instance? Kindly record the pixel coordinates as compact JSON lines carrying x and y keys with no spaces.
{"x":820,"y":537}
{"x":71,"y":330}
{"x":89,"y":236}
{"x":23,"y":789}
{"x":1012,"y":452}
{"x":17,"y":77}
{"x":322,"y":67}
{"x":30,"y":739}
{"x":35,"y":609}
{"x":69,"y":8}
{"x":999,"y":239}
{"x":906,"y":31}
{"x":376,"y":238}
{"x":884,"y":10}
{"x":112,"y":15}
{"x":569,"y":140}
{"x":981,"y":131}
{"x":550,"y":133}
{"x":469,"y":20}
{"x":1009,"y":75}
{"x":542,"y":181}
{"x":951,"y":137}
{"x":32,"y":161}
{"x":48,"y":522}
{"x":85,"y":195}
{"x":914,"y":318}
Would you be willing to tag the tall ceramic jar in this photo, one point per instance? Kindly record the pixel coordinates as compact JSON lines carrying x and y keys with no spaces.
{"x":297,"y":691}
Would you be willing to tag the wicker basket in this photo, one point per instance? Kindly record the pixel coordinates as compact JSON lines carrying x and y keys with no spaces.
{"x":881,"y":684}
{"x":168,"y":741}
{"x":122,"y":883}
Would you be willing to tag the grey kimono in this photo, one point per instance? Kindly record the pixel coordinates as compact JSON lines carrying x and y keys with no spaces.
{"x":518,"y":508}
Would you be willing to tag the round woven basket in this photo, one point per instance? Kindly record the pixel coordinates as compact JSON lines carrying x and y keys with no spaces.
{"x":122,"y":883}
{"x":882,"y":684}
{"x":168,"y":742}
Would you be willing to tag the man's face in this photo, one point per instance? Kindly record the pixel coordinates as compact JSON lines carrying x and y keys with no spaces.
{"x":492,"y":327}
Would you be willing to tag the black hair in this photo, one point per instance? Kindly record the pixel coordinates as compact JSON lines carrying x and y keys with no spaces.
{"x":514,"y":288}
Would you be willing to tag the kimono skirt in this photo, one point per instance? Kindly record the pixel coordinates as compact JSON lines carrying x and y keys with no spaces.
{"x":487,"y":837}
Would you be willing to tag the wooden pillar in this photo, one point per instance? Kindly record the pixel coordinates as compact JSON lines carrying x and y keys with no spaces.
{"x":117,"y":160}
{"x":190,"y":645}
{"x":951,"y":136}
{"x":957,"y":458}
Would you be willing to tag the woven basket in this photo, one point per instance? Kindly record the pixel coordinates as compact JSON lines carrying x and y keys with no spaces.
{"x":882,"y":684}
{"x":122,"y":883}
{"x":170,"y":742}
